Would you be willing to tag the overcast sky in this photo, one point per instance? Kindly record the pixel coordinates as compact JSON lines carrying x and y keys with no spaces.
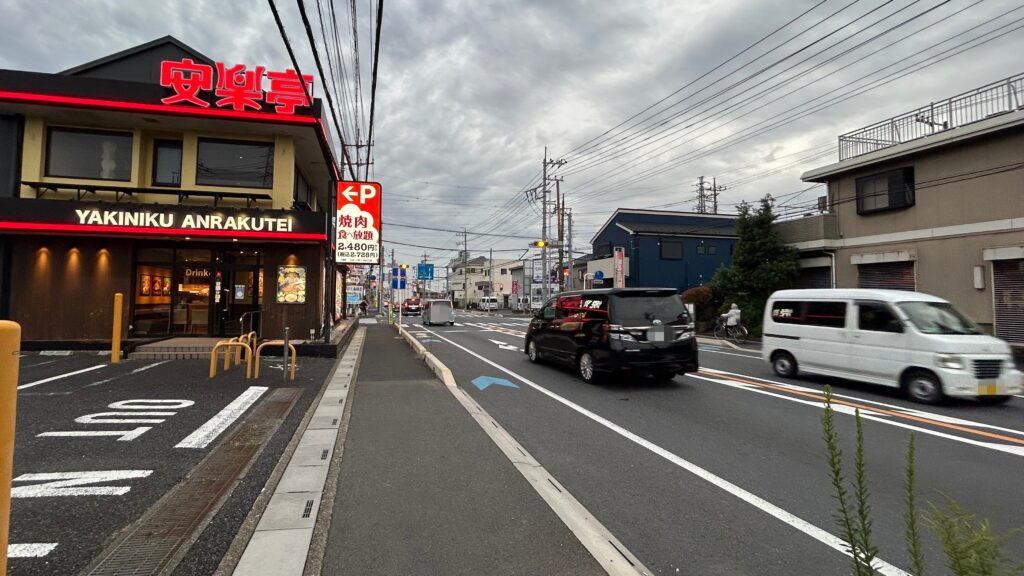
{"x":470,"y":92}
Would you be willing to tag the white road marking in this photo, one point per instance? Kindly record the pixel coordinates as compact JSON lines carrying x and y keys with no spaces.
{"x":823,"y":536}
{"x":148,"y":366}
{"x":504,"y":346}
{"x":60,"y":376}
{"x":24,"y":365}
{"x":75,"y":483}
{"x":205,"y":434}
{"x":124,"y":435}
{"x":730,"y":353}
{"x":912,"y":411}
{"x":55,"y":353}
{"x":37,"y":550}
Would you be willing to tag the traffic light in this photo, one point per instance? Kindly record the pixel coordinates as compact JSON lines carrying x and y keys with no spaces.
{"x":565,"y":272}
{"x":405,"y":266}
{"x":538,"y":244}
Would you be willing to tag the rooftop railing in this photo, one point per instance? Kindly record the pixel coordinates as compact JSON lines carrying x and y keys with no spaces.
{"x":991,"y":100}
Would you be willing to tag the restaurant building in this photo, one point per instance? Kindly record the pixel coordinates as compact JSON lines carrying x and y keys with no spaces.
{"x":196,"y":188}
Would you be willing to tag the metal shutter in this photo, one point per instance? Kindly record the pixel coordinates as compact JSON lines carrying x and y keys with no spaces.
{"x":1008,"y":291}
{"x":888,"y":276}
{"x":817,"y":277}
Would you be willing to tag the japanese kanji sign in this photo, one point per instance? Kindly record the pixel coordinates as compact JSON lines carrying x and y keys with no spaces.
{"x":233,"y":87}
{"x":357,"y":238}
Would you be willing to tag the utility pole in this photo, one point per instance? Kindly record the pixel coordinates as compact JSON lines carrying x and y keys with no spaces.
{"x":707,"y":195}
{"x":465,"y":272}
{"x":560,"y":208}
{"x":572,"y":258}
{"x":490,"y":272}
{"x":545,"y":287}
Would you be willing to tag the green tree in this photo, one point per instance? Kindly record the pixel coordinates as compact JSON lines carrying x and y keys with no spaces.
{"x":761,"y":263}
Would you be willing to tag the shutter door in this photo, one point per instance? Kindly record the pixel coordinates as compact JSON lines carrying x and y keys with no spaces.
{"x":1008,"y":292}
{"x":887,"y":276}
{"x":817,"y":277}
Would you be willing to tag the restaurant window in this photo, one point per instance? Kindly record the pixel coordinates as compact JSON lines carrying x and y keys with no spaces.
{"x":167,"y":163}
{"x":886,"y":191}
{"x":235,"y":163}
{"x":91,"y":154}
{"x":671,"y":250}
{"x":151,"y":310}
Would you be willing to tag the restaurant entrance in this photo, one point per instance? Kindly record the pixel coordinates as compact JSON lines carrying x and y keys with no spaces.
{"x":196,"y":291}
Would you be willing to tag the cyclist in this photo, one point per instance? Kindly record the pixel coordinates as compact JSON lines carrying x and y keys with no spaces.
{"x":732,"y":317}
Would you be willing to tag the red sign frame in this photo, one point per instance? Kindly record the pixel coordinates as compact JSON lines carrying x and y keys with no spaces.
{"x":357,"y":235}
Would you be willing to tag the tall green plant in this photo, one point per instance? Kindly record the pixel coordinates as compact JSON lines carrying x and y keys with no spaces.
{"x":911,"y":534}
{"x":972,"y":547}
{"x":761,"y":263}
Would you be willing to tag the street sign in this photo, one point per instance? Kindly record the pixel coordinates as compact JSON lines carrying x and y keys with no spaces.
{"x":398,"y":278}
{"x":599,"y":275}
{"x":620,"y":274}
{"x":424,"y":271}
{"x":357,"y":238}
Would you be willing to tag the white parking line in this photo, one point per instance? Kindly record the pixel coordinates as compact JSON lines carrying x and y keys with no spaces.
{"x":60,"y":376}
{"x":205,"y":434}
{"x":37,"y":550}
{"x":823,"y":536}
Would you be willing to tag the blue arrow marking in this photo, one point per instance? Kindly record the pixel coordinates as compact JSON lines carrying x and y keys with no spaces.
{"x":483,"y":382}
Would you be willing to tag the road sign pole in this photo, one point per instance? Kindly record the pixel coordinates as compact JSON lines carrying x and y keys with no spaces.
{"x":10,"y":347}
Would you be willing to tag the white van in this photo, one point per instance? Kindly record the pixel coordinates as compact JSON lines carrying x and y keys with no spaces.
{"x":487,"y":303}
{"x":915,"y":341}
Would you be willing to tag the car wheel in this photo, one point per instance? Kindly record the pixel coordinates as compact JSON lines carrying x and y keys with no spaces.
{"x":784,"y":364}
{"x":585,"y":367}
{"x":924,"y":387}
{"x":532,"y":352}
{"x":451,"y":323}
{"x":994,"y":400}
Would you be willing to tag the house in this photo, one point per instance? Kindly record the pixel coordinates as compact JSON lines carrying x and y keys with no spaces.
{"x":929,"y":200}
{"x":663,"y":248}
{"x":167,"y":177}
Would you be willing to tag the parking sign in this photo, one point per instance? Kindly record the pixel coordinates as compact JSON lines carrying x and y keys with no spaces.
{"x":357,"y":239}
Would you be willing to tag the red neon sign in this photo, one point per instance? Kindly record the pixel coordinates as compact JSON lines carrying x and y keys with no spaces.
{"x":147,"y":231}
{"x":236,"y":87}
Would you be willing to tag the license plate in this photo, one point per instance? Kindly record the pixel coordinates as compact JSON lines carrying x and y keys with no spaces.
{"x":656,"y":335}
{"x":987,"y":389}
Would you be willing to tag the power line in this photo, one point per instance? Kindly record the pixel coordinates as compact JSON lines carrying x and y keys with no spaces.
{"x":373,"y":85}
{"x":418,"y":227}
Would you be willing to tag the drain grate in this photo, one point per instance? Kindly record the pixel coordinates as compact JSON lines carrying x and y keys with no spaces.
{"x":323,"y":455}
{"x":308,"y":509}
{"x":152,"y":543}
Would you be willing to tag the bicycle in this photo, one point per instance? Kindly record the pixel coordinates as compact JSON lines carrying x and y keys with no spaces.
{"x":737,"y":333}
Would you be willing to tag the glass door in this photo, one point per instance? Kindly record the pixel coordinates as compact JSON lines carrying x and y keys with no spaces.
{"x":238,"y":292}
{"x":191,"y":311}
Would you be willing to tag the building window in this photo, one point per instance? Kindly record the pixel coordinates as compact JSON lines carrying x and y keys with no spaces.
{"x":235,"y":163}
{"x":886,"y":191}
{"x":671,"y":250}
{"x":701,"y":250}
{"x":167,"y":163}
{"x":504,"y":271}
{"x":712,"y":250}
{"x":92,"y":154}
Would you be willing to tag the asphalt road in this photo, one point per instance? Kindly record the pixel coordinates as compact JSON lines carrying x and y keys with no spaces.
{"x":97,"y":445}
{"x":724,"y":471}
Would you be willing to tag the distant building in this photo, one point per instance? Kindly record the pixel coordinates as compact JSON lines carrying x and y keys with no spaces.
{"x":930,"y":200}
{"x":662,"y":248}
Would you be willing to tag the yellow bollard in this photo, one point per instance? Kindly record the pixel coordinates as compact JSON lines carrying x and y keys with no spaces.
{"x":10,"y":345}
{"x":227,"y":355}
{"x":115,"y":340}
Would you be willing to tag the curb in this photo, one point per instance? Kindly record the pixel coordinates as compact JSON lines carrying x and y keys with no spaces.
{"x":436,"y":366}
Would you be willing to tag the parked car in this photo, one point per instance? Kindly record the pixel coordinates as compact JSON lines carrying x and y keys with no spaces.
{"x":917,"y":342}
{"x":438,"y":312}
{"x":615,"y":331}
{"x":411,"y":307}
{"x":487,"y":303}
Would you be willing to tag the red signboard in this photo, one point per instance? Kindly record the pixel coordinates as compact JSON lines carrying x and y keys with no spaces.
{"x":357,"y":239}
{"x":515,"y":286}
{"x":234,"y":87}
{"x":620,"y":274}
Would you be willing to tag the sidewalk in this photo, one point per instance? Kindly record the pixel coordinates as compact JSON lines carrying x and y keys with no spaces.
{"x":423,"y":490}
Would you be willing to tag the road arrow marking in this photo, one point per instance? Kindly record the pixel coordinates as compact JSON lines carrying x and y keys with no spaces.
{"x":482,"y":382}
{"x":504,"y":346}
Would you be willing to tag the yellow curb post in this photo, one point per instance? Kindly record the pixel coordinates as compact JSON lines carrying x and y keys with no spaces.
{"x":115,"y":340}
{"x":10,"y":349}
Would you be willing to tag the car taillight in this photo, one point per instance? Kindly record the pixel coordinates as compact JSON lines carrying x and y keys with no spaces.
{"x":617,"y":333}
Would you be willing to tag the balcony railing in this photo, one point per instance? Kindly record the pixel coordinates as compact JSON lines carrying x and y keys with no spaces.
{"x":997,"y":98}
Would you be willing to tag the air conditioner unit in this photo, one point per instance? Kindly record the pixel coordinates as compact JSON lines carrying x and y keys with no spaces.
{"x":822,"y":203}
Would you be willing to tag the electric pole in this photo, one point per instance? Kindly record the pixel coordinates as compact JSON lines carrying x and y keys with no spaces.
{"x":465,"y":272}
{"x":545,"y":287}
{"x":572,"y":258}
{"x":707,"y":195}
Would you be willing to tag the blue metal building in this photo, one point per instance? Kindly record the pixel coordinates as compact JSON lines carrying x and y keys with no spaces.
{"x":667,"y":249}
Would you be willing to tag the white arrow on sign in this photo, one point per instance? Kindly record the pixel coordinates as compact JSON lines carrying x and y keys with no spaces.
{"x":364,"y":193}
{"x":504,"y":346}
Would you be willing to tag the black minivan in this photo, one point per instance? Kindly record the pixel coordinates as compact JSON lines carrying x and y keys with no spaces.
{"x":626,"y":330}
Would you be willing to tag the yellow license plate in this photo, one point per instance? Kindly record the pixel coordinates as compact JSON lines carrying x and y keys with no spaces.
{"x":988,"y":390}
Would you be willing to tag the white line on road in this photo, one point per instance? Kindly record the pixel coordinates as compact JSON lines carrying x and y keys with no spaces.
{"x":37,"y":550}
{"x":730,"y":353}
{"x":205,"y":434}
{"x":148,"y":366}
{"x":823,"y":536}
{"x":60,"y":376}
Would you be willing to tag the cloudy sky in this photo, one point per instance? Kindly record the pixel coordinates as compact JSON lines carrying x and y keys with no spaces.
{"x":640,"y":98}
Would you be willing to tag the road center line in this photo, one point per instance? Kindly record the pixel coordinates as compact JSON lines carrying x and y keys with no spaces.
{"x":220,"y":422}
{"x":60,"y":376}
{"x":794,"y":521}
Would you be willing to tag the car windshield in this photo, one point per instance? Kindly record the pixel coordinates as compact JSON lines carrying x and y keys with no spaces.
{"x":938,"y":318}
{"x":642,"y":309}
